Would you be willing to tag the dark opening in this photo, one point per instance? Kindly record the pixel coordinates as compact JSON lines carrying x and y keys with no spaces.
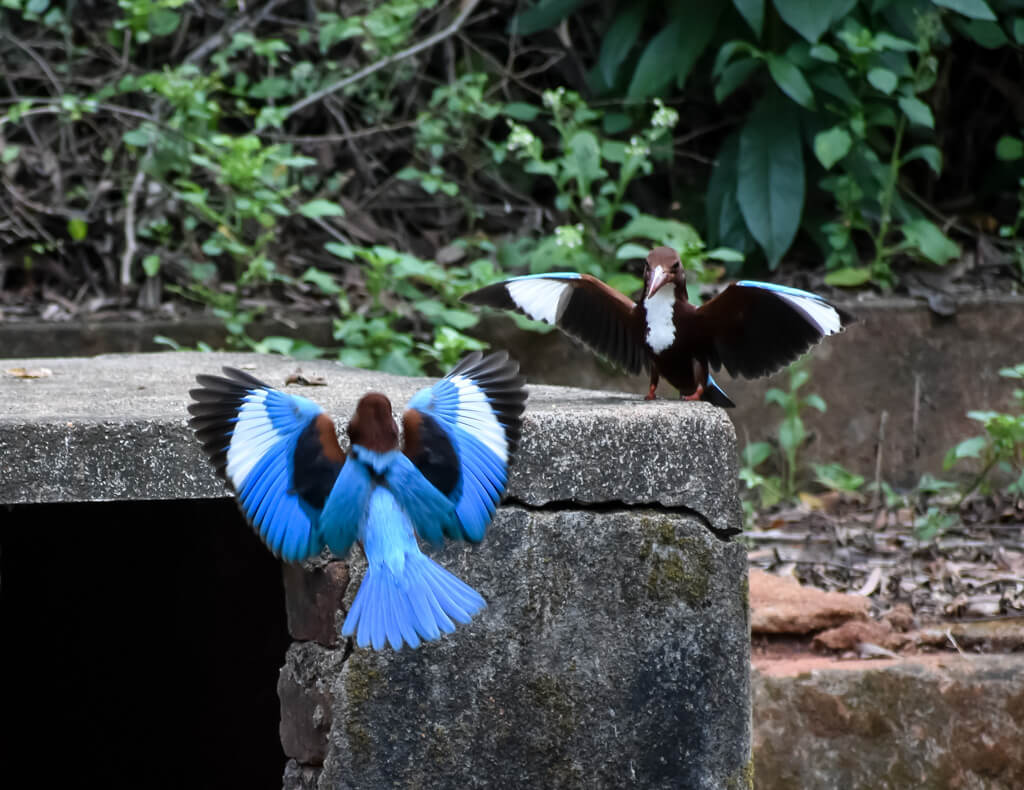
{"x":140,"y":645}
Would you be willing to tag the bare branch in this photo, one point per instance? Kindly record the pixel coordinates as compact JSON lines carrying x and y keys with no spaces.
{"x":429,"y":41}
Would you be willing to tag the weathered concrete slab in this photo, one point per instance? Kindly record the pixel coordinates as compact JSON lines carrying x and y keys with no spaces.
{"x":928,"y":722}
{"x":613,"y":653}
{"x":115,"y":427}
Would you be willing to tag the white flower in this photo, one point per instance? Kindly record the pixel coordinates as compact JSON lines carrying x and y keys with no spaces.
{"x":664,"y":117}
{"x":569,"y":236}
{"x":519,"y":137}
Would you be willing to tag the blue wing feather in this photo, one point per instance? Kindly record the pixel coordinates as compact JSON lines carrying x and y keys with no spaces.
{"x":478,"y":406}
{"x":344,"y":509}
{"x":253,"y":435}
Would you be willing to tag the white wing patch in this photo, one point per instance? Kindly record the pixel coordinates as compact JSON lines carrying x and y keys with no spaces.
{"x":538,"y":298}
{"x":661,"y":329}
{"x":476,"y":415}
{"x":823,"y":316}
{"x":252,"y":436}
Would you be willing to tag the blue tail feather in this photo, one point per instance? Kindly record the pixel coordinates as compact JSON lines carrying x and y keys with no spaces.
{"x":421,"y":605}
{"x":404,"y":597}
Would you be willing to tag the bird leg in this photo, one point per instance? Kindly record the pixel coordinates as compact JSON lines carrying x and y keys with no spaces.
{"x":654,"y":383}
{"x":700,"y":375}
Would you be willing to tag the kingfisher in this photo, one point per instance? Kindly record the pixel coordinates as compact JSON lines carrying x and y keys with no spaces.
{"x":752,"y":328}
{"x":279,"y":454}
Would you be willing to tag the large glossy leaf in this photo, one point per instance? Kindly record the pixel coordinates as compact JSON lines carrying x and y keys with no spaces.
{"x":653,"y":72}
{"x":975,"y":9}
{"x":620,"y":38}
{"x":809,"y":18}
{"x":770,"y":176}
{"x":725,"y":223}
{"x":753,"y":12}
{"x":790,"y":79}
{"x":543,"y":15}
{"x":673,"y":51}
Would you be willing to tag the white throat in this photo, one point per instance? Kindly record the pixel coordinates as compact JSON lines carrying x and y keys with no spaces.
{"x":659,"y":309}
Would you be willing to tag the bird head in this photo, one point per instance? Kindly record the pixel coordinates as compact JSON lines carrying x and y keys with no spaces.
{"x":662,"y":267}
{"x":373,"y":425}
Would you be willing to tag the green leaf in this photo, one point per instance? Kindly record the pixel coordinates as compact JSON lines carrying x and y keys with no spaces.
{"x":815,"y":401}
{"x":151,"y":265}
{"x":917,"y":111}
{"x":545,"y":14}
{"x":733,"y":76}
{"x":790,"y":80}
{"x":987,"y":34}
{"x":584,"y":159}
{"x":836,"y":477}
{"x":724,"y":219}
{"x":37,"y":6}
{"x":824,"y":53}
{"x":674,"y":50}
{"x":770,"y":179}
{"x":9,"y":153}
{"x":620,"y":38}
{"x":809,"y":18}
{"x":321,"y":208}
{"x":968,"y":448}
{"x":725,"y":254}
{"x":930,"y":241}
{"x":629,"y":251}
{"x":520,"y":111}
{"x":850,"y":277}
{"x":975,"y":9}
{"x":929,"y":153}
{"x":163,"y":21}
{"x":77,"y":229}
{"x":791,"y":433}
{"x":832,"y":145}
{"x":753,"y":12}
{"x":1018,"y":30}
{"x":1010,"y":149}
{"x":400,"y":364}
{"x":322,"y":280}
{"x":346,"y":251}
{"x":756,"y":453}
{"x":884,"y":80}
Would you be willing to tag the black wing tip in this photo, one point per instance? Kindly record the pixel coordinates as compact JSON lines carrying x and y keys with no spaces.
{"x":497,"y":374}
{"x":493,"y":295}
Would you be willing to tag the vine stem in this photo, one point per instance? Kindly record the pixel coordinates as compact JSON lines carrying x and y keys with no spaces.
{"x":890,"y":190}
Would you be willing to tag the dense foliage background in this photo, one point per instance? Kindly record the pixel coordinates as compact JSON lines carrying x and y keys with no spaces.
{"x":374,"y":160}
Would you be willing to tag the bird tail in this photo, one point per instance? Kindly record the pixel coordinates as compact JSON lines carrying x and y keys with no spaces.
{"x":420,"y":603}
{"x":715,"y":395}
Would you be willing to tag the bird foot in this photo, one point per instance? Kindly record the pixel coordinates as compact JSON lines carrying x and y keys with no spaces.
{"x":696,"y":393}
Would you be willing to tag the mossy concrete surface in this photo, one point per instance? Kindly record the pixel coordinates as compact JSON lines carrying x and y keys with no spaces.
{"x":591,"y":667}
{"x":115,"y":427}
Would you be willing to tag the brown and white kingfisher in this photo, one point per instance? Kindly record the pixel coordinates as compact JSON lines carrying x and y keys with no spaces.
{"x":751,"y":328}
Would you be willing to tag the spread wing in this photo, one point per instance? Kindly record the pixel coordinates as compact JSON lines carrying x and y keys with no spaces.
{"x":462,"y":434}
{"x":582,"y":306}
{"x":754,"y":328}
{"x":278,"y":452}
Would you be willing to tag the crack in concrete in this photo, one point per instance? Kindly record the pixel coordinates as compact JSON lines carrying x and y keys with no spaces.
{"x":618,"y":506}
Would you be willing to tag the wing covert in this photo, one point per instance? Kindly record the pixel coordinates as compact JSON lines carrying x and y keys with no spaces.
{"x":462,"y":434}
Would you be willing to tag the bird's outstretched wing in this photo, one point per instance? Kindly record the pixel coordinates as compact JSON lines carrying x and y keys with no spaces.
{"x":278,"y":452}
{"x":754,"y":328}
{"x":462,"y":434}
{"x":582,"y":306}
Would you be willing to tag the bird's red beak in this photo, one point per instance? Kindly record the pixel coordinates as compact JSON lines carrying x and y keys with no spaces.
{"x":658,"y":278}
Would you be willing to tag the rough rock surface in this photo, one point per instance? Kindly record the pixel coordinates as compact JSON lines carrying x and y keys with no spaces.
{"x":928,"y":723}
{"x":783,"y":606}
{"x":614,"y":652}
{"x":115,"y":427}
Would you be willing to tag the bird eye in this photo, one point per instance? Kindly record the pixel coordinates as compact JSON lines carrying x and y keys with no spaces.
{"x":675,"y":266}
